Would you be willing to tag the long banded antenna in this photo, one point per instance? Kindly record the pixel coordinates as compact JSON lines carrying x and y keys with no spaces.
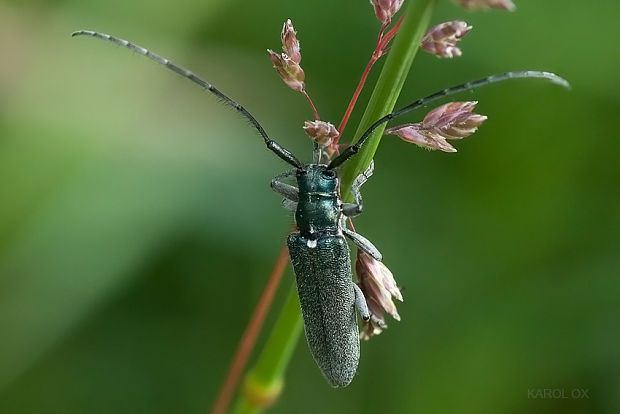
{"x":279,"y":150}
{"x":353,"y":149}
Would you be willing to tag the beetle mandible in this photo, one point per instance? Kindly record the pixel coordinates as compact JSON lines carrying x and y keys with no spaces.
{"x":318,"y":249}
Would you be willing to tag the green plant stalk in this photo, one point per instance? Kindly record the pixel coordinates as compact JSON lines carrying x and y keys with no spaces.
{"x":388,"y":87}
{"x":264,"y":381}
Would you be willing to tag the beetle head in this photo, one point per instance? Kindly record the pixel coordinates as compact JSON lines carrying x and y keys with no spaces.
{"x":317,"y":178}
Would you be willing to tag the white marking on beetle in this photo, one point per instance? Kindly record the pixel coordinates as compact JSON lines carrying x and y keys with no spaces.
{"x":311,"y":243}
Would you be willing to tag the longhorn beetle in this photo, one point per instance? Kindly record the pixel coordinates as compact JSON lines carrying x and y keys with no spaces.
{"x":318,"y":249}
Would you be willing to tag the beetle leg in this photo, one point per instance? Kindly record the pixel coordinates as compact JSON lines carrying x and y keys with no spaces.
{"x":363,"y":243}
{"x":289,"y":204}
{"x":360,"y":303}
{"x":359,"y":181}
{"x":351,"y":209}
{"x":354,"y":209}
{"x":363,"y":177}
{"x":290,"y":192}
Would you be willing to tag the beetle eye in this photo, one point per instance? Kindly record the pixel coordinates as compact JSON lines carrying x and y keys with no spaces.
{"x":329,"y":174}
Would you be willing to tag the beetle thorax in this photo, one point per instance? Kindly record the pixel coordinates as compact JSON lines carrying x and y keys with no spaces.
{"x":318,"y":209}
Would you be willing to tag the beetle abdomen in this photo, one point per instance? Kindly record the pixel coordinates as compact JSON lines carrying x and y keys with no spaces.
{"x":323,"y":273}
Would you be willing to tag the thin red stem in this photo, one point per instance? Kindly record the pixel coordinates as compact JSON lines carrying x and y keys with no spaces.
{"x":392,"y":32}
{"x":382,"y":41}
{"x":316,"y":114}
{"x":356,"y":94}
{"x":244,"y":349}
{"x":351,"y":224}
{"x":383,"y":27}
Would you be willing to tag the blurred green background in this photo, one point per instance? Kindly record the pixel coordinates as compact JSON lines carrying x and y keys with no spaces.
{"x":137,"y":227}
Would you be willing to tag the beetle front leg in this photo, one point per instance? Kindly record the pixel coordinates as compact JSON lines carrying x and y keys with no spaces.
{"x":290,"y":192}
{"x":363,"y":243}
{"x":289,"y":205}
{"x":360,"y":303}
{"x":351,"y":209}
{"x":354,"y":209}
